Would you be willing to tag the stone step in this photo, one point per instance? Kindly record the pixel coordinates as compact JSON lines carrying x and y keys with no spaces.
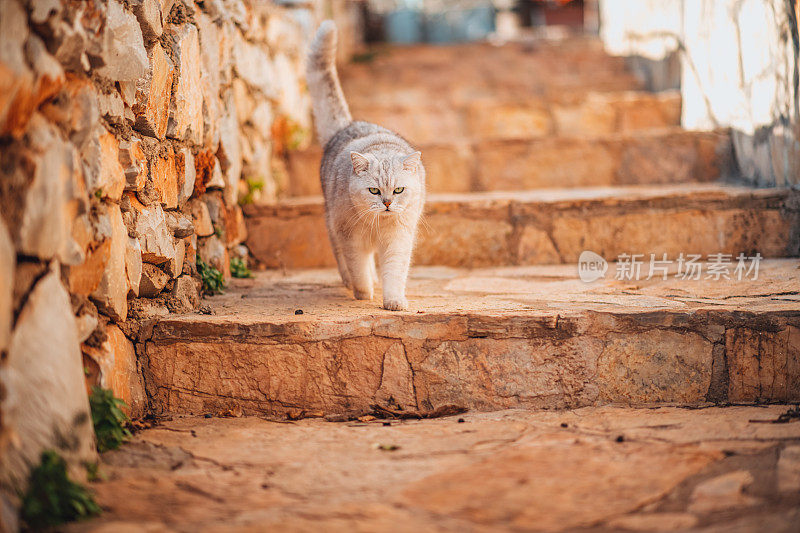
{"x":554,"y":226}
{"x":410,"y":75}
{"x":669,"y":155}
{"x":532,"y":337}
{"x":491,"y":119}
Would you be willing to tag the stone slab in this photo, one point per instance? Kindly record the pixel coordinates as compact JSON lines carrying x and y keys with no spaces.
{"x":553,"y":226}
{"x":659,"y":156}
{"x":503,"y":471}
{"x":486,"y":119}
{"x":485,"y":339}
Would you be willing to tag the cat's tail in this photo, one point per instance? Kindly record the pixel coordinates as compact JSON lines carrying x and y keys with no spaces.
{"x":330,"y":108}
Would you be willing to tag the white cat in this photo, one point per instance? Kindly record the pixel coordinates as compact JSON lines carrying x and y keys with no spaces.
{"x":373,"y":182}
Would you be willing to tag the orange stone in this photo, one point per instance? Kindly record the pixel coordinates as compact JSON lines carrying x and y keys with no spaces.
{"x":153,"y":94}
{"x":164,"y":174}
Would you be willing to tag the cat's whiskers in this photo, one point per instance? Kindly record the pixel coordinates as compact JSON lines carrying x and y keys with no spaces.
{"x":360,"y":216}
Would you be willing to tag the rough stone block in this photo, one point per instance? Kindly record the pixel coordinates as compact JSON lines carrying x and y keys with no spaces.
{"x":216,"y":209}
{"x":763,"y":364}
{"x":16,"y":79}
{"x":164,"y":178}
{"x":69,"y":45}
{"x":230,"y":152}
{"x":479,"y":241}
{"x":210,"y":51}
{"x":292,"y":101}
{"x":44,"y":355}
{"x":111,"y":106}
{"x":184,"y":297}
{"x":111,"y":295}
{"x":49,"y":72}
{"x":149,"y":14}
{"x":153,"y":93}
{"x":179,"y":224}
{"x":213,"y":251}
{"x":677,"y":157}
{"x":190,"y":259}
{"x":124,"y":55}
{"x":641,"y":111}
{"x":216,"y":178}
{"x":645,"y":369}
{"x":54,"y":197}
{"x":134,"y":164}
{"x":174,"y":266}
{"x":186,"y":105}
{"x":103,"y":171}
{"x":150,"y":227}
{"x":254,"y":66}
{"x":133,"y":265}
{"x":153,"y":280}
{"x":119,"y":370}
{"x":186,"y":174}
{"x":76,"y":110}
{"x":201,"y":219}
{"x":85,"y":278}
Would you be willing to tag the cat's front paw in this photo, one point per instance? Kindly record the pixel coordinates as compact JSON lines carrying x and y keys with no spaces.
{"x":362,"y":294}
{"x":397,"y":304}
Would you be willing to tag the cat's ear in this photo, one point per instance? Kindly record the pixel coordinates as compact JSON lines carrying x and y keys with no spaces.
{"x":411,"y":162}
{"x":360,"y":162}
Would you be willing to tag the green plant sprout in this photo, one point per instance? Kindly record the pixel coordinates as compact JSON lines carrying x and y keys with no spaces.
{"x":52,"y":497}
{"x":213,"y":280}
{"x":239,"y":268}
{"x":108,"y":418}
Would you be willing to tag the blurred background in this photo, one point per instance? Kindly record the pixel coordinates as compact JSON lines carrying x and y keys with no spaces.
{"x":703,"y":66}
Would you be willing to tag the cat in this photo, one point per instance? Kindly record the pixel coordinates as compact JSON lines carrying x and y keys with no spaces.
{"x":373,"y":182}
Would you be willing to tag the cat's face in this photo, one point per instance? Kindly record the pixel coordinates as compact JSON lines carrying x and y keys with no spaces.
{"x":385,"y":186}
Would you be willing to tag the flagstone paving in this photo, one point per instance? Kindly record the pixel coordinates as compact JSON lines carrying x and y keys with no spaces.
{"x":591,"y":469}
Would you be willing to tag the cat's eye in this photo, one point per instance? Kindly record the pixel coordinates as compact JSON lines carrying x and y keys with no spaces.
{"x":398,"y":190}
{"x":374,"y":190}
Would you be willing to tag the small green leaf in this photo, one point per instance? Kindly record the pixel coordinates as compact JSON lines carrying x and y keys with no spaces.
{"x":239,"y":268}
{"x":213,"y":280}
{"x":52,"y":497}
{"x":108,"y":419}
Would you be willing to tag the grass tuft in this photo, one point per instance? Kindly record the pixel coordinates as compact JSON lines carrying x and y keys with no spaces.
{"x":108,"y":418}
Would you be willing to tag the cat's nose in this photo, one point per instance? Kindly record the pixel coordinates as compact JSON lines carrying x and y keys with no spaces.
{"x":387,"y":202}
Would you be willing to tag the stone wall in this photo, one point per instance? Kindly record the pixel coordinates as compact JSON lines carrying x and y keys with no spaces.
{"x":130,"y":133}
{"x":739,"y":69}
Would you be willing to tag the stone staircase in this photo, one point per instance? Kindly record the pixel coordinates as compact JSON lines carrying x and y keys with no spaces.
{"x":535,"y":153}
